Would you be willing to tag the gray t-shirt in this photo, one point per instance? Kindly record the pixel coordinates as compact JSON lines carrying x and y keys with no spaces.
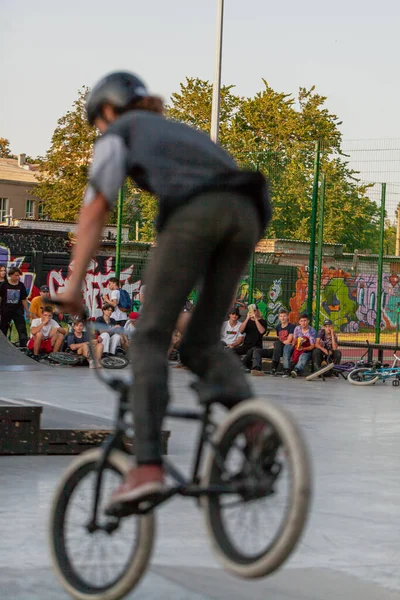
{"x":169,"y":159}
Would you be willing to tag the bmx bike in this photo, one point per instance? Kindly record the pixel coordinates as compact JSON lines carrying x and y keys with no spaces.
{"x":376,"y":372}
{"x":253,"y":486}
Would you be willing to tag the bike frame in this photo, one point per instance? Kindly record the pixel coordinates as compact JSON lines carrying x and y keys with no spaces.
{"x":386,"y":373}
{"x":189,"y":487}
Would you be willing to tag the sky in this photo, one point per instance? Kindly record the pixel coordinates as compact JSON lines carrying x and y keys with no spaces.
{"x":349,"y":50}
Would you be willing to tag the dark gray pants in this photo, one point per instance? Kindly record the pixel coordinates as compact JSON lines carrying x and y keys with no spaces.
{"x":210,"y":239}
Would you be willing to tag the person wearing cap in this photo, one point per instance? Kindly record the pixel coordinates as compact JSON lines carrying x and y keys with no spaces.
{"x":129,"y":329}
{"x":38,"y":303}
{"x":326,"y":346}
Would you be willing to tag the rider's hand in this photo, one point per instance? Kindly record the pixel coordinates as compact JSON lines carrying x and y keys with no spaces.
{"x":71,"y":302}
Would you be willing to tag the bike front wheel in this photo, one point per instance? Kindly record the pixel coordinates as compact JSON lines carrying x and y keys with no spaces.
{"x":106,"y":561}
{"x":260,"y":449}
{"x":363,"y":376}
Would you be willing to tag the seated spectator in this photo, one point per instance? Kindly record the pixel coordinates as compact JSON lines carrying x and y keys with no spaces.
{"x":230,"y":335}
{"x":39,"y":302}
{"x":173,"y":350}
{"x":46,"y":334}
{"x":78,"y":342}
{"x":129,"y":330}
{"x":110,"y":339}
{"x":253,"y":327}
{"x":303,"y":342}
{"x":326,"y":345}
{"x":282,"y":347}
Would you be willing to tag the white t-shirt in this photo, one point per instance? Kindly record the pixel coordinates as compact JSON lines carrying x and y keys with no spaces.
{"x":118,"y":314}
{"x":230,"y":334}
{"x":129,"y":328}
{"x":46,"y":330}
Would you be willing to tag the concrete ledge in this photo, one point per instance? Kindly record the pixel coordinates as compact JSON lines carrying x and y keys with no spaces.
{"x":21,"y":433}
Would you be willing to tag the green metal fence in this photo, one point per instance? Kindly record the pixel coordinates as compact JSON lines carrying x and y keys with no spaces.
{"x":336,"y":252}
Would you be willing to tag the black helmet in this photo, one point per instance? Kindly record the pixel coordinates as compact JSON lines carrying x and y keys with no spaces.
{"x":118,"y":89}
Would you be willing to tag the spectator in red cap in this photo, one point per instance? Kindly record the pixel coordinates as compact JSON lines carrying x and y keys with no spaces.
{"x":129,"y":329}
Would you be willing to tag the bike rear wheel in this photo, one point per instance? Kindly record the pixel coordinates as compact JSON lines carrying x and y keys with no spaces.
{"x":363,"y":376}
{"x":64,"y":358}
{"x":107,"y":563}
{"x":278,"y":456}
{"x":115,"y":361}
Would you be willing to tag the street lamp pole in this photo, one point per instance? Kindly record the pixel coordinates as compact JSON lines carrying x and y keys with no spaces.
{"x":217,"y":74}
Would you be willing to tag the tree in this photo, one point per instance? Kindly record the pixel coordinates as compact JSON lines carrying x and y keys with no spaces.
{"x":276,"y":132}
{"x":64,"y":169}
{"x":5,"y":151}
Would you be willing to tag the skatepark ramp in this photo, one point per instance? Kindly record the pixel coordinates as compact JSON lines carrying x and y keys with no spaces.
{"x":12,"y":359}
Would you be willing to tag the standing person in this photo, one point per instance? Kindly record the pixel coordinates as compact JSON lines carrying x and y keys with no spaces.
{"x":3,"y":274}
{"x":114,"y":298}
{"x":304,"y":338}
{"x":282,"y":347}
{"x":326,"y":346}
{"x":13,"y":303}
{"x":3,"y":278}
{"x":211,"y":215}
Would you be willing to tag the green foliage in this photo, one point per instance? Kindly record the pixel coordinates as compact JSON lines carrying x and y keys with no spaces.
{"x":276,"y":133}
{"x":5,"y":151}
{"x":64,"y":169}
{"x":148,"y":209}
{"x":271,"y":131}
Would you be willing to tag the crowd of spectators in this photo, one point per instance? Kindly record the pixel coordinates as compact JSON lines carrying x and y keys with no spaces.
{"x":296,"y":345}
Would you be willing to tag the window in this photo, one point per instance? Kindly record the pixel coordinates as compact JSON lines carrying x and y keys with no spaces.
{"x":41,"y":210}
{"x":3,"y":209}
{"x":30,"y":209}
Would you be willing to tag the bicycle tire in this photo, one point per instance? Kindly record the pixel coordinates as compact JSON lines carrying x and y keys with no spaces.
{"x":116,"y":361}
{"x":120,"y":463}
{"x":356,"y":377}
{"x":295,"y":517}
{"x":321,"y":371}
{"x":64,"y":358}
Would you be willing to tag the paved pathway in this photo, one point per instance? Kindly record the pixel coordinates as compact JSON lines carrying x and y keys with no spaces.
{"x":351,"y":549}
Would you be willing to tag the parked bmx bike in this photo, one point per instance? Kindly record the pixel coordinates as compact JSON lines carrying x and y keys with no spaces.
{"x":377,"y":372}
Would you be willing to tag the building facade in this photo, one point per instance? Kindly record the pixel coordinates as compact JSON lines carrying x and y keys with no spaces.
{"x":17,"y":190}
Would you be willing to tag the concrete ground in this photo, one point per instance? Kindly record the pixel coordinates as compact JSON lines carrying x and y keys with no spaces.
{"x":351,"y":548}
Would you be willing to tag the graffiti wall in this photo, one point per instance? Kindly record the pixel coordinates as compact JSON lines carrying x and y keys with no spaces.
{"x":350,"y":301}
{"x":95,"y":284}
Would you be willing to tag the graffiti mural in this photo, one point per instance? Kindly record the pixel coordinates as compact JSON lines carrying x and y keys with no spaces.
{"x":28,"y":278}
{"x":95,"y":284}
{"x":274,"y":302}
{"x":350,"y":301}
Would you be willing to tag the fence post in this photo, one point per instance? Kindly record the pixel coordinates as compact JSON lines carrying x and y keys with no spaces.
{"x":380,"y":266}
{"x":320,"y":250}
{"x":251,"y":277}
{"x":119,"y":233}
{"x":310,"y":287}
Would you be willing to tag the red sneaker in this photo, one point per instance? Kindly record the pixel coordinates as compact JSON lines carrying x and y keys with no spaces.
{"x":143,"y":483}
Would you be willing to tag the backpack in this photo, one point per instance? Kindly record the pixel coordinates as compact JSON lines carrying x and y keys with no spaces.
{"x":124,"y":301}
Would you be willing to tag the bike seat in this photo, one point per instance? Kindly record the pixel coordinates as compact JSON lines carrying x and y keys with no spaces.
{"x":210,"y":393}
